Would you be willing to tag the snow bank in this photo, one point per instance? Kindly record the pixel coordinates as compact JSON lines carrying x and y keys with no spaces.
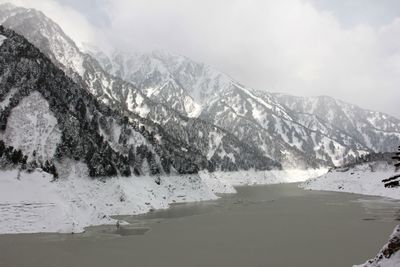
{"x":267,"y":177}
{"x":31,"y":202}
{"x":389,"y":256}
{"x":363,"y":179}
{"x":216,"y":184}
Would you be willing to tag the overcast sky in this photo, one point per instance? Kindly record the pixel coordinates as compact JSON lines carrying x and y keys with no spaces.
{"x":349,"y":49}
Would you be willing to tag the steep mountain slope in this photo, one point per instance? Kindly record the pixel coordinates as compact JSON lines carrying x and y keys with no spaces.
{"x":294,"y":131}
{"x":221,"y":149}
{"x":48,"y":118}
{"x":259,"y":118}
{"x":62,"y":51}
{"x":53,"y":42}
{"x":375,"y":130}
{"x":188,"y":84}
{"x":296,"y":140}
{"x":195,"y":103}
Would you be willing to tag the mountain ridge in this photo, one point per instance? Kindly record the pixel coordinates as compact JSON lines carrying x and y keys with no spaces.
{"x":305,"y":120}
{"x":192,"y":100}
{"x":224,"y":151}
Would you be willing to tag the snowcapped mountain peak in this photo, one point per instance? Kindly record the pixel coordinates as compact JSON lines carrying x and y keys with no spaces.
{"x":175,"y":121}
{"x":149,"y":70}
{"x":200,"y":105}
{"x":46,"y":34}
{"x":309,"y":129}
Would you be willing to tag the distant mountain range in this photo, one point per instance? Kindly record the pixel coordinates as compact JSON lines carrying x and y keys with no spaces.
{"x":295,"y":131}
{"x":159,"y":112}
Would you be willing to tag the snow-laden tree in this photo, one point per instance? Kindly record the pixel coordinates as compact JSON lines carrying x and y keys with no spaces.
{"x":394,"y":181}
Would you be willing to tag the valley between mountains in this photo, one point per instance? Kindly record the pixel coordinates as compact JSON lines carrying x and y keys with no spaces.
{"x":87,"y":135}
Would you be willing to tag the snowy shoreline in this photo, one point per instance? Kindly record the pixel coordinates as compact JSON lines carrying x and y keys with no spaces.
{"x":77,"y":201}
{"x":363,"y":179}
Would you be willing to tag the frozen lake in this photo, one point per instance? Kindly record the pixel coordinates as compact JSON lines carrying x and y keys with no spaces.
{"x":274,"y":225}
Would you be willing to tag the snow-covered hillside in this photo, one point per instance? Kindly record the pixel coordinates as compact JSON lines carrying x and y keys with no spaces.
{"x":31,"y":202}
{"x":375,"y":130}
{"x":54,"y":42}
{"x":189,"y":134}
{"x":150,"y":71}
{"x":257,"y":117}
{"x":282,"y":132}
{"x":365,"y":179}
{"x":173,"y":91}
{"x":45,"y":117}
{"x":33,"y":129}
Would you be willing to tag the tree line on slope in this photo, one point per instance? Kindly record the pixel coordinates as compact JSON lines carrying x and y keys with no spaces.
{"x":79,"y":115}
{"x":394,"y":181}
{"x":11,"y":157}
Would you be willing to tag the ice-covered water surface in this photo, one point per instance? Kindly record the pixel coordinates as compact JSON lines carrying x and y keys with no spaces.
{"x":275,"y":225}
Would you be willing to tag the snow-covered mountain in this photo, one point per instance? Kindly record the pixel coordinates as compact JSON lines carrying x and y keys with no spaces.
{"x":292,"y":136}
{"x":208,"y":110}
{"x":49,"y":36}
{"x":198,"y":90}
{"x":375,"y":130}
{"x":219,"y":148}
{"x":258,"y":118}
{"x":173,"y":79}
{"x":47,"y":119}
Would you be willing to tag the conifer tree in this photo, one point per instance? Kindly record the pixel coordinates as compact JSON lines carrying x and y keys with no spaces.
{"x":394,"y":181}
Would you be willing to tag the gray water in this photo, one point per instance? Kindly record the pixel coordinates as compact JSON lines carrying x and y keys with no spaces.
{"x":276,"y":225}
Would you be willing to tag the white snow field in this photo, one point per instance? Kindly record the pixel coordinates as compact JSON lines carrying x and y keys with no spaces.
{"x":365,"y":179}
{"x":32,"y":202}
{"x":32,"y":128}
